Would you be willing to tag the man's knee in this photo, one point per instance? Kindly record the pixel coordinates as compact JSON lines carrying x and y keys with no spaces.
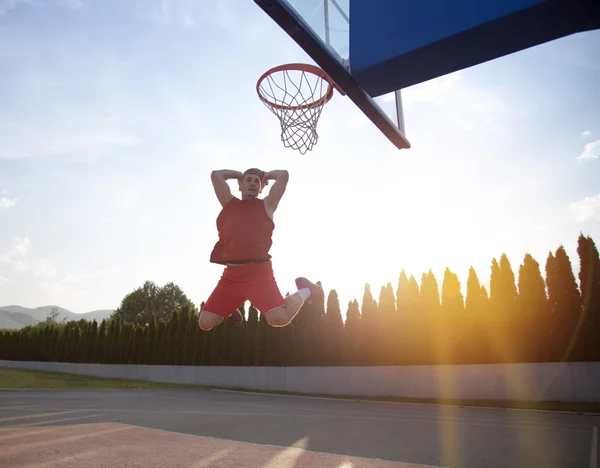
{"x":277,"y":317}
{"x":207,"y":320}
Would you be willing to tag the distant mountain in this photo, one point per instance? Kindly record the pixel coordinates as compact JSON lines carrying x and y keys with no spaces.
{"x":15,"y":320}
{"x":16,"y":317}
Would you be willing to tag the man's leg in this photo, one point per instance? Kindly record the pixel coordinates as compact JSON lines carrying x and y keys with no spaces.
{"x":223,"y":303}
{"x":208,"y":320}
{"x":282,"y":315}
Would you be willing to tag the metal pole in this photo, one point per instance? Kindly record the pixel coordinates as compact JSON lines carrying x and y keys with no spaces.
{"x":326,"y":8}
{"x":339,"y":8}
{"x":400,"y":112}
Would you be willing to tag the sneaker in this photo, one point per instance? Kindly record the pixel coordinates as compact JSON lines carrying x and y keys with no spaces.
{"x":316,"y":291}
{"x":238,"y":318}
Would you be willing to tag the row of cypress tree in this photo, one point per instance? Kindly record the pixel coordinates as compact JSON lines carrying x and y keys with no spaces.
{"x":538,"y":314}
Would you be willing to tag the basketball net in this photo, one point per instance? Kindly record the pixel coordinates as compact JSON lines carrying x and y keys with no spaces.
{"x":296,"y":94}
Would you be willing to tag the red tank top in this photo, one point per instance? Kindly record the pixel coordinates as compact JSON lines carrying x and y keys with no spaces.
{"x":245,"y":232}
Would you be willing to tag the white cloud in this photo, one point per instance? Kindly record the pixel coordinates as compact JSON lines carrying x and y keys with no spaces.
{"x":56,"y":290}
{"x":45,"y":114}
{"x":128,"y":198}
{"x":224,"y":14}
{"x":86,"y":138}
{"x":587,"y":133}
{"x":168,"y":12}
{"x":13,"y":258}
{"x":161,"y":13}
{"x":44,"y":269}
{"x":72,"y":4}
{"x":188,"y":21}
{"x":436,"y":91}
{"x":6,"y":203}
{"x":21,"y":245}
{"x":461,"y":101}
{"x":6,"y":5}
{"x":591,"y":151}
{"x":4,"y":280}
{"x":103,"y":274}
{"x":586,"y":209}
{"x":77,"y":276}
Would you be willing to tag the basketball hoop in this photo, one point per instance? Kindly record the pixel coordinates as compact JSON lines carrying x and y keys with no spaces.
{"x":296,"y":94}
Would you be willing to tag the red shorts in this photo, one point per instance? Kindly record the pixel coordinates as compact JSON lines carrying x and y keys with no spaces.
{"x":252,"y":282}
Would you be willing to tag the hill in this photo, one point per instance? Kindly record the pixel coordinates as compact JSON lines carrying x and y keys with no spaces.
{"x":17,"y":317}
{"x":15,"y":320}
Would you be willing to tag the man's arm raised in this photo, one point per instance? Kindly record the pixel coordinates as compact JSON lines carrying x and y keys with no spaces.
{"x":219,"y":180}
{"x":281,"y":178}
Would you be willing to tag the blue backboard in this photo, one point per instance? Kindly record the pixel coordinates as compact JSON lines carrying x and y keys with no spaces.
{"x":373,"y":49}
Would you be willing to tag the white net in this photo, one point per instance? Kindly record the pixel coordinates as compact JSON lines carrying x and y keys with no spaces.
{"x":297,"y":98}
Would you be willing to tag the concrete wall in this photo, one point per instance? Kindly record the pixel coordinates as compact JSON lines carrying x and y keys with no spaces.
{"x":574,"y":382}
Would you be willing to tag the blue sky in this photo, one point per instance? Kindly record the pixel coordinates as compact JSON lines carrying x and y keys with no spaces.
{"x":113,"y":114}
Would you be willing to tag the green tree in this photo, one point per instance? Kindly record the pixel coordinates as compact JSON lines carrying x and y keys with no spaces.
{"x":533,"y":334}
{"x":430,"y":308}
{"x":83,"y":342}
{"x":410,"y":320}
{"x":251,"y":340}
{"x":262,"y":341}
{"x":198,"y":339}
{"x":92,"y":346}
{"x":149,"y":355}
{"x":369,"y":326}
{"x":387,"y":327}
{"x":509,"y":311}
{"x":354,"y":345}
{"x":334,"y":329}
{"x":318,"y":335}
{"x":588,"y":343}
{"x":564,"y":304}
{"x":475,"y":345}
{"x":160,"y":345}
{"x":173,"y":339}
{"x":115,"y":338}
{"x":450,"y":327}
{"x":503,"y":314}
{"x":124,"y":343}
{"x":100,"y":353}
{"x":51,"y":318}
{"x":138,"y":306}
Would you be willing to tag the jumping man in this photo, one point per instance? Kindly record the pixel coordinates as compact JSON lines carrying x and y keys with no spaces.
{"x":245,"y":227}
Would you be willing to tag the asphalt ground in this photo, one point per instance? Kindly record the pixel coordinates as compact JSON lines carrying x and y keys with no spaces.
{"x":419,"y":434}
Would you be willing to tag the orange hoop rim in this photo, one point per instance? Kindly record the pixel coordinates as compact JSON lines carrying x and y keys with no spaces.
{"x":304,"y":67}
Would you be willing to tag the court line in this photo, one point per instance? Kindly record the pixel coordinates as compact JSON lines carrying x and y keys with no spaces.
{"x":54,"y":421}
{"x":18,"y":407}
{"x":594,"y":449}
{"x":39,"y":415}
{"x":438,"y":416}
{"x":403,"y":403}
{"x":393,"y":419}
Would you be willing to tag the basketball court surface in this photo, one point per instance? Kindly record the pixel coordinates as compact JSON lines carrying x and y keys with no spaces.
{"x":219,"y":429}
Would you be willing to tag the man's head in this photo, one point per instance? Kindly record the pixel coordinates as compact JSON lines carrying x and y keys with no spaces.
{"x":251,"y":183}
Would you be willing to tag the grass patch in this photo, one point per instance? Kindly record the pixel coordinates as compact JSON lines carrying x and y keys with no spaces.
{"x":25,"y":379}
